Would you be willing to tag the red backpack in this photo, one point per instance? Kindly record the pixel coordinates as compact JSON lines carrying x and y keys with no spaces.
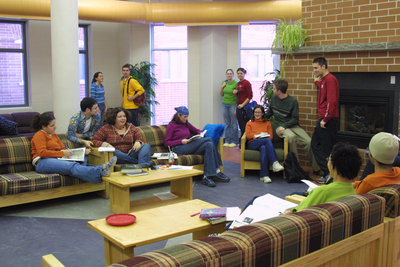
{"x":140,"y":100}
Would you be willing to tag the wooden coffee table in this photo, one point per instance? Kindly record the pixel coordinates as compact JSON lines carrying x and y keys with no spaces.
{"x":154,"y":225}
{"x":120,"y":185}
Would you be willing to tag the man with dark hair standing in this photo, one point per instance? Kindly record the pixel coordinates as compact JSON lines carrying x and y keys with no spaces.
{"x":130,"y":90}
{"x":285,"y":110}
{"x":84,"y":124}
{"x":324,"y":136}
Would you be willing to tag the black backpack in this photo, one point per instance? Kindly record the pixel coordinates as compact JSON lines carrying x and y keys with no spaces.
{"x":293,"y":171}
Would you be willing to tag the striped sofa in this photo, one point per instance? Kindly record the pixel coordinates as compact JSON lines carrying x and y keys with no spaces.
{"x":20,"y":184}
{"x":280,"y":240}
{"x":155,"y":135}
{"x":392,"y":195}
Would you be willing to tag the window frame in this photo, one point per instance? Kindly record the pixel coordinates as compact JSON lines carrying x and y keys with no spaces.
{"x":86,"y":51}
{"x":24,"y":52}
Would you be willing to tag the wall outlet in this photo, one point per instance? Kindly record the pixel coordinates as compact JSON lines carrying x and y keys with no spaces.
{"x":392,"y":79}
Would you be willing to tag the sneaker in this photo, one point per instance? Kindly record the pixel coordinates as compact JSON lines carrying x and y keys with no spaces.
{"x":232,"y":145}
{"x":227,"y":144}
{"x":221,"y":177}
{"x":276,"y":167}
{"x":266,"y":179}
{"x":208,"y":181}
{"x":324,"y":179}
{"x":107,"y":167}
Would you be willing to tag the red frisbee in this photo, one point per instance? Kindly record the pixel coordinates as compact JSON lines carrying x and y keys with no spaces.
{"x":121,"y":219}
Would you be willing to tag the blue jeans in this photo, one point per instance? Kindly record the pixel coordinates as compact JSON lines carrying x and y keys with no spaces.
{"x":231,"y":132}
{"x":203,"y":146}
{"x":141,"y":157}
{"x":90,"y":174}
{"x":267,"y":154}
{"x":102,"y":108}
{"x":134,"y":115}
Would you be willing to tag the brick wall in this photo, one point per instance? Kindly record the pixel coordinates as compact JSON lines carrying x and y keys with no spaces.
{"x":337,"y":22}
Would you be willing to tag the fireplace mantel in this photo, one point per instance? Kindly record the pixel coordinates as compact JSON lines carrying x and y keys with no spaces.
{"x":381,"y":46}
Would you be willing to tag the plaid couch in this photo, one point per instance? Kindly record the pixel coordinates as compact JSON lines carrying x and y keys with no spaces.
{"x":155,"y":135}
{"x":274,"y":241}
{"x":392,"y":195}
{"x":17,"y":175}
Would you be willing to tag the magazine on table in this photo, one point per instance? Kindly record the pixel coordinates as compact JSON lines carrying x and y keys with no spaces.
{"x":163,"y":155}
{"x":131,"y":168}
{"x":264,"y":207}
{"x":198,"y":136}
{"x":78,"y":154}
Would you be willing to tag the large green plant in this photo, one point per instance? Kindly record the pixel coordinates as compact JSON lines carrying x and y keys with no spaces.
{"x":266,"y":87}
{"x":143,"y":73}
{"x":289,"y":37}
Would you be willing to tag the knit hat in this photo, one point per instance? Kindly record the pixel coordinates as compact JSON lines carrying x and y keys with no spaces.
{"x":384,"y":147}
{"x":182,"y":110}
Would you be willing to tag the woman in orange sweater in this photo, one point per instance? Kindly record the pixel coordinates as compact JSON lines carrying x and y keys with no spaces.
{"x":47,"y":147}
{"x":259,"y":135}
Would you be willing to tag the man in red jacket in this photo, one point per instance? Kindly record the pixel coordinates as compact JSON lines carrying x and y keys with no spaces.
{"x":324,"y":136}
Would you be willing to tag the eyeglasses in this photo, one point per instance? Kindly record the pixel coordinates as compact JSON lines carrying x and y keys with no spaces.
{"x":257,"y":112}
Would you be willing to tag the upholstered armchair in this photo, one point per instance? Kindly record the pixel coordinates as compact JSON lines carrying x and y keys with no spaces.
{"x":250,"y":159}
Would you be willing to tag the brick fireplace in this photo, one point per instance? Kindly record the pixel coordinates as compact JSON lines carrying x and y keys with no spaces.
{"x":358,"y":36}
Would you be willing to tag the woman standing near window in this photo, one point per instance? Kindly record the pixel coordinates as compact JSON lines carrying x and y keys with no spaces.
{"x":244,"y":94}
{"x":98,"y":93}
{"x":229,"y":107}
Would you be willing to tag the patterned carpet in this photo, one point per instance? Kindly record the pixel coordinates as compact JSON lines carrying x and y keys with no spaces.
{"x":25,"y":239}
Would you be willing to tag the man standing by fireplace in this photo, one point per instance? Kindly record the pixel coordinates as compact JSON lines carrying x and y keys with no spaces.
{"x":324,"y":136}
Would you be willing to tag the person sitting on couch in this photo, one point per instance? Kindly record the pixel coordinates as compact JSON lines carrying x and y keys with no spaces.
{"x":383,"y":149}
{"x":177,"y":136}
{"x":47,"y":147}
{"x":84,"y":124}
{"x":124,"y":136}
{"x":343,"y":164}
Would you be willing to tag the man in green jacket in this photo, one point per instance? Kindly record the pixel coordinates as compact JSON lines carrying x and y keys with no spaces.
{"x":285,"y":110}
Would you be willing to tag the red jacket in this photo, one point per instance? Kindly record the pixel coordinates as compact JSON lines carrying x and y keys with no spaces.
{"x":328,"y":97}
{"x":244,"y":91}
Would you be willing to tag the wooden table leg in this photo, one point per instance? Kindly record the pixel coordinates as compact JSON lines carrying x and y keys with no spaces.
{"x":119,"y":199}
{"x":114,"y":254}
{"x":183,"y":187}
{"x":217,"y":228}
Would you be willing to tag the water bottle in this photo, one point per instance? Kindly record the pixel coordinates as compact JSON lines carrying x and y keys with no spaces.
{"x":171,"y":157}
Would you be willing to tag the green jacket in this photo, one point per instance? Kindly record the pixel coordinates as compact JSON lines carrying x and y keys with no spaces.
{"x":285,"y":111}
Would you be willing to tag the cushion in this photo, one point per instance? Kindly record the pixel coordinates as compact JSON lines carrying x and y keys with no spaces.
{"x":24,"y":120}
{"x":392,"y":195}
{"x":214,"y":131}
{"x":8,"y":127}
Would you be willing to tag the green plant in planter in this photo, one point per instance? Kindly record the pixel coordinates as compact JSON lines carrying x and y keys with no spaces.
{"x":266,"y":87}
{"x":289,"y":37}
{"x":143,"y":73}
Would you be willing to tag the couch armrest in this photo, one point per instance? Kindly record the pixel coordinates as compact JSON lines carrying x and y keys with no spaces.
{"x":96,"y":158}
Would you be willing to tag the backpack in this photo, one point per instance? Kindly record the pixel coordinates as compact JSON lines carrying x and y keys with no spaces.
{"x":140,"y":100}
{"x":249,"y":109}
{"x":293,"y":171}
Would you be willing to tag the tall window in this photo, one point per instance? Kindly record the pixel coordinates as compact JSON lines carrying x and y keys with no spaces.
{"x":255,"y":54}
{"x":13,"y":77}
{"x":170,"y":55}
{"x":83,"y":60}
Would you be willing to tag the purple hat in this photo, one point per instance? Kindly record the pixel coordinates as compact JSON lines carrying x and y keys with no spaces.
{"x":182,"y":110}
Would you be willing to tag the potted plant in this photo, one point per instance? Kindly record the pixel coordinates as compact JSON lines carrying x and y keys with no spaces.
{"x":143,"y":73}
{"x":289,"y":37}
{"x":267,"y":85}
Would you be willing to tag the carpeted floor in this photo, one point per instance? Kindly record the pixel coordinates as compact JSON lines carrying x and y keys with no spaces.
{"x":23,"y":240}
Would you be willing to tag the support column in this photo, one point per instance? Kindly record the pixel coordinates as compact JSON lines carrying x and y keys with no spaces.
{"x":65,"y":61}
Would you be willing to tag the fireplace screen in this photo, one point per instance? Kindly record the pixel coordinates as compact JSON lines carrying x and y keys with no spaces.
{"x":362,"y":118}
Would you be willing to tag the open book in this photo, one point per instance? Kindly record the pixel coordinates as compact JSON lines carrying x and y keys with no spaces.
{"x":264,"y":207}
{"x":198,"y":136}
{"x":78,"y":154}
{"x":261,"y":135}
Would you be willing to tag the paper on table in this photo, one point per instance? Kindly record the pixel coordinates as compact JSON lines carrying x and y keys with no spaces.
{"x":165,"y":195}
{"x":106,"y":149}
{"x":310,"y":184}
{"x":180,"y":167}
{"x":232,"y":213}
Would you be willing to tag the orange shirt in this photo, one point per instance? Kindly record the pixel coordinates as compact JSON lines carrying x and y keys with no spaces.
{"x":378,"y":179}
{"x":46,"y":146}
{"x":256,"y":127}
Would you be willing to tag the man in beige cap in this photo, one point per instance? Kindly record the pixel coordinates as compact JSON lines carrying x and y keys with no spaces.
{"x":383,"y":149}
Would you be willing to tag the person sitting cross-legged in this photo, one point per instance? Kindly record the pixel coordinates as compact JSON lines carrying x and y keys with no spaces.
{"x":343,"y":164}
{"x":383,"y":149}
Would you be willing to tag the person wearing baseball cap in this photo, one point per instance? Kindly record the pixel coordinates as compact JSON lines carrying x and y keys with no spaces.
{"x":383,"y":149}
{"x":179,"y":137}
